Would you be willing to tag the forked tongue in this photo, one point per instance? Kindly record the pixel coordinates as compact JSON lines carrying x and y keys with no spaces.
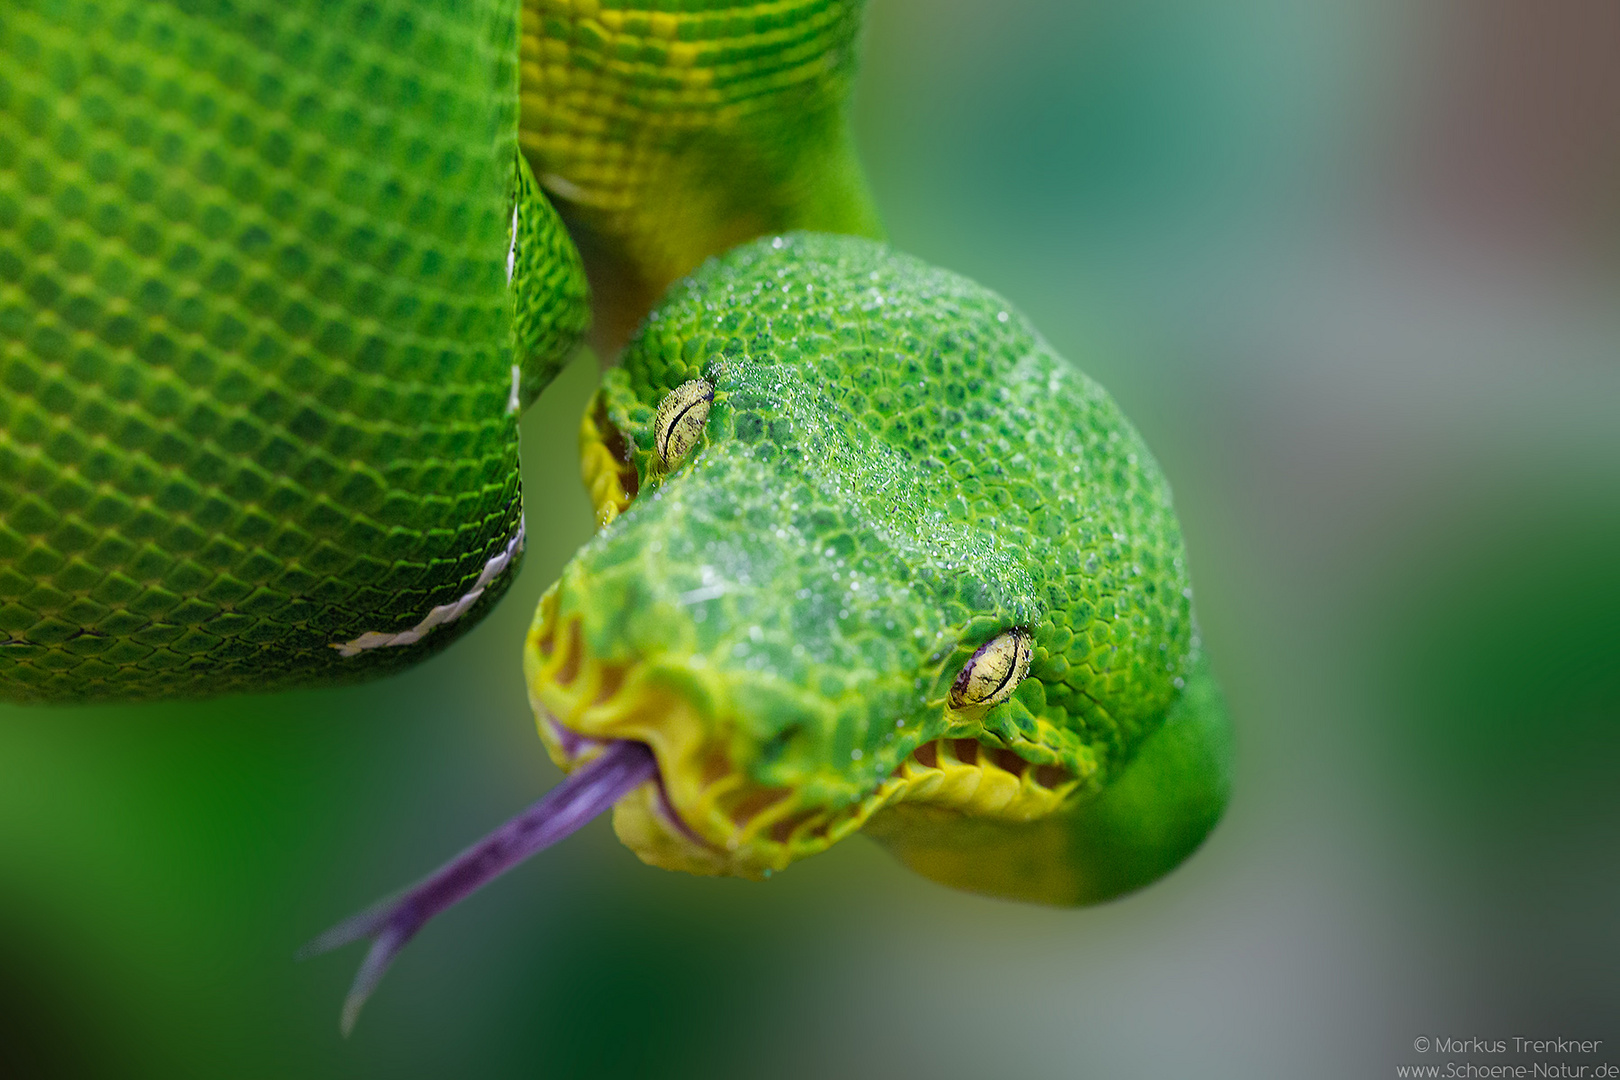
{"x":391,"y":923}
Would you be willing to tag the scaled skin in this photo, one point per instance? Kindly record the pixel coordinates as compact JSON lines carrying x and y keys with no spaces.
{"x":257,"y":338}
{"x":265,"y":326}
{"x":670,"y":132}
{"x":895,"y":470}
{"x":871,"y":554}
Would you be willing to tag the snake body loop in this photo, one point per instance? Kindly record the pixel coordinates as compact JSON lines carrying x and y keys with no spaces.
{"x":256,"y":340}
{"x":276,"y":280}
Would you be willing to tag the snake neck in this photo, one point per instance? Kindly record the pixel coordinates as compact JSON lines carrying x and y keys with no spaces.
{"x":720,"y":129}
{"x":683,"y":210}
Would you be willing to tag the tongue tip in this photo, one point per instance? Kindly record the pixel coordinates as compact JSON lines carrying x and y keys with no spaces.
{"x":391,"y":923}
{"x":365,"y":924}
{"x":381,"y":955}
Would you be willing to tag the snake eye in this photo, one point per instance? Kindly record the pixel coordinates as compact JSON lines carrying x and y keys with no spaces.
{"x":680,"y":419}
{"x":993,"y":672}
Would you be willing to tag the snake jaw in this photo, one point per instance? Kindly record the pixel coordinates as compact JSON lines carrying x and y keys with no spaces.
{"x":706,"y":814}
{"x":606,"y":463}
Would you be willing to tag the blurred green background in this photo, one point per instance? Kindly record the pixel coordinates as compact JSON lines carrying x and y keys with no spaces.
{"x":1351,"y":267}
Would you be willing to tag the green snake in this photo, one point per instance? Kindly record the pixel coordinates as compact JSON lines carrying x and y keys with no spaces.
{"x":276,"y":280}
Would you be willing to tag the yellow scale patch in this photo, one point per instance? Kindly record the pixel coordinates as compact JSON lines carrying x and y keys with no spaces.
{"x":982,"y":787}
{"x":611,"y":99}
{"x":745,"y":829}
{"x":609,"y":479}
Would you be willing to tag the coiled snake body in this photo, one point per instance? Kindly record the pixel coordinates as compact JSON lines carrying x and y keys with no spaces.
{"x":276,"y":280}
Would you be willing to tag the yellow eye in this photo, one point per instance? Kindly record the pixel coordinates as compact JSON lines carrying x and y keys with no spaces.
{"x":680,"y":419}
{"x":993,"y":672}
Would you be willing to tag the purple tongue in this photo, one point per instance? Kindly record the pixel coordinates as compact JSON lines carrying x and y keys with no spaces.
{"x":392,"y":923}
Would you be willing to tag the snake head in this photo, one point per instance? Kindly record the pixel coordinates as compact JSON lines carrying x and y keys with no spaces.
{"x":870,"y":553}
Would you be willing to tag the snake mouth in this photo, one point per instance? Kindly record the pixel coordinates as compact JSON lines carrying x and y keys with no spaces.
{"x":704,"y":813}
{"x":606,"y":464}
{"x":647,"y":738}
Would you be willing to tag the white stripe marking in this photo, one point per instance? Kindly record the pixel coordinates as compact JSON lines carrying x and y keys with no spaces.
{"x":511,"y":252}
{"x":444,"y":613}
